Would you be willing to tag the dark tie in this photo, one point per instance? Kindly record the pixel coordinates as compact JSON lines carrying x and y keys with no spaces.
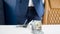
{"x":31,"y":13}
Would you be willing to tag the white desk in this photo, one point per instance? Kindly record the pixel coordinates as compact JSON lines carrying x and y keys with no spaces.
{"x":47,"y":29}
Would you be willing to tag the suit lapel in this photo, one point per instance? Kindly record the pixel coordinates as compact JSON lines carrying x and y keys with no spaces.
{"x":39,"y":7}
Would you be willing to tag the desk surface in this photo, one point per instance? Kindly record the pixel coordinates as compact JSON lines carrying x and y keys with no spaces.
{"x":47,"y":29}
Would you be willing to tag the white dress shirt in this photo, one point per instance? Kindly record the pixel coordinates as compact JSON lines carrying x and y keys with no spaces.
{"x":30,"y":3}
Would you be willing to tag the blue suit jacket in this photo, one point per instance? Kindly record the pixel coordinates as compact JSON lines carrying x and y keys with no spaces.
{"x":10,"y":12}
{"x":2,"y":20}
{"x":16,"y":10}
{"x":22,"y":6}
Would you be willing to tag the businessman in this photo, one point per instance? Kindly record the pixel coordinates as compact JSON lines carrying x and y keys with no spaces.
{"x":18,"y":11}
